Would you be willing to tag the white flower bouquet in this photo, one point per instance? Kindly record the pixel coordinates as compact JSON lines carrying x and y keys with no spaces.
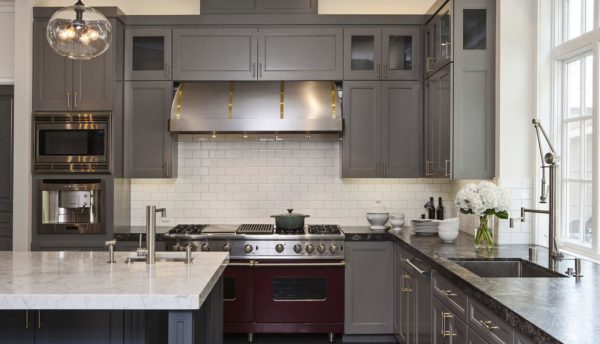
{"x":484,"y":200}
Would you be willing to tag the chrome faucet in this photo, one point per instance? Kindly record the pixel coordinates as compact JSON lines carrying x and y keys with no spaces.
{"x":550,"y":162}
{"x":151,"y":231}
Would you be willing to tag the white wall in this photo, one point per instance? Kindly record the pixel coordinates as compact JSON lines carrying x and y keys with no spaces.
{"x":7,"y":38}
{"x":193,"y":6}
{"x":235,"y":180}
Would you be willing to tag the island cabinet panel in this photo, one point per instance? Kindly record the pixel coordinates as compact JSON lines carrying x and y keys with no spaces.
{"x":382,"y":133}
{"x":150,"y":151}
{"x":75,"y":327}
{"x":17,"y":327}
{"x":369,"y":288}
{"x":215,"y":54}
{"x":62,"y":84}
{"x":300,"y":54}
{"x":6,"y":161}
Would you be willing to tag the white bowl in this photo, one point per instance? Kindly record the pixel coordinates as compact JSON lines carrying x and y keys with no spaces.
{"x":397,"y":222}
{"x":448,"y":235}
{"x":378,"y":220}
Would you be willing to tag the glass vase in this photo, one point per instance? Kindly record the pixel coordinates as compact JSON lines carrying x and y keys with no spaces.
{"x":484,"y":236}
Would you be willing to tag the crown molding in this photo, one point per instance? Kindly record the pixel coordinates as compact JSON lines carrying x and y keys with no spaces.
{"x":7,"y":8}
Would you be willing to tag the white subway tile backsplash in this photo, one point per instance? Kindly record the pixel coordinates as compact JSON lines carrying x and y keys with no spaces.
{"x":230,"y":180}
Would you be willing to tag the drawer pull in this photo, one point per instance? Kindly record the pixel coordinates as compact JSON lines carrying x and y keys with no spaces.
{"x":446,"y":333}
{"x":449,"y":293}
{"x":407,"y":290}
{"x":488,"y":325}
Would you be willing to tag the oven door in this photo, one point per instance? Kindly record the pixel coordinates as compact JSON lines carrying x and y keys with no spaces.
{"x":299,"y":292}
{"x":238,"y":293}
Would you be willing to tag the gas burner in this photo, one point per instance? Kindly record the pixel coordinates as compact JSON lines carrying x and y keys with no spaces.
{"x":324,"y":229}
{"x":289,"y":231}
{"x":187,"y":229}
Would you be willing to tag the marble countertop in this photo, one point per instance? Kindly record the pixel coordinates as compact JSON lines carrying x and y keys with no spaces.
{"x":549,"y":310}
{"x":84,"y":280}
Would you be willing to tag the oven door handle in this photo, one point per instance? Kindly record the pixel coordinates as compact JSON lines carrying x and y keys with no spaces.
{"x":250,"y":264}
{"x":298,"y":265}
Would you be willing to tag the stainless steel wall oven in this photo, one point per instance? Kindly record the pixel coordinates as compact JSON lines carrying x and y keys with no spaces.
{"x":71,"y":142}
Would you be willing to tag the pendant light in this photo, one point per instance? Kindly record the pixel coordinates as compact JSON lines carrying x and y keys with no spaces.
{"x":79,"y":32}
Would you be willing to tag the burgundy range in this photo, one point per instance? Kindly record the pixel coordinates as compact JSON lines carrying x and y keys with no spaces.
{"x":277,"y":281}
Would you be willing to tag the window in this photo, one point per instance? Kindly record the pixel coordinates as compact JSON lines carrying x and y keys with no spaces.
{"x":574,"y":120}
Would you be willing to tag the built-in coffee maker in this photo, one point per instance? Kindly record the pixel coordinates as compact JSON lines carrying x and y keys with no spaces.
{"x":71,"y":206}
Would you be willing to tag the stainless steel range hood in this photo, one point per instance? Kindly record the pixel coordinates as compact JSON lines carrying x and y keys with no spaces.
{"x":256,"y":106}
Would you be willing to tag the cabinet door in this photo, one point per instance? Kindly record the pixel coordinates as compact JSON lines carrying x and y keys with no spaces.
{"x":148,"y":54}
{"x":474,"y":90}
{"x":521,"y":339}
{"x":474,"y":338}
{"x":71,"y":327}
{"x":409,"y":307}
{"x":401,"y":55}
{"x":361,"y":146}
{"x":431,"y":130}
{"x":429,"y":58}
{"x":444,"y":161}
{"x":6,"y":172}
{"x":362,"y":54}
{"x":16,"y":327}
{"x":401,"y":129}
{"x":215,"y":54}
{"x":440,"y":323}
{"x":444,"y":36}
{"x":93,"y":82}
{"x":300,"y":54}
{"x":52,"y":75}
{"x":369,"y":288}
{"x":438,"y":128}
{"x":399,"y":274}
{"x":148,"y":143}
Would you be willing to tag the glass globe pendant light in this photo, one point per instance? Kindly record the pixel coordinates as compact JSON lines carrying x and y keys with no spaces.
{"x":79,"y":32}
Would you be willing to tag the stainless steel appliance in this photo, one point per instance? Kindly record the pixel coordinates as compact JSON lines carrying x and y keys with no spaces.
{"x":277,"y":281}
{"x":71,"y":142}
{"x":71,"y":206}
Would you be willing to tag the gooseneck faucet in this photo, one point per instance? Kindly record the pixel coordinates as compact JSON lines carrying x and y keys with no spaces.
{"x":151,"y":231}
{"x":550,"y":162}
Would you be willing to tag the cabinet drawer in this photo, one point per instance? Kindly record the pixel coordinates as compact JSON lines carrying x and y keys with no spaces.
{"x":491,"y":328}
{"x":451,"y":295}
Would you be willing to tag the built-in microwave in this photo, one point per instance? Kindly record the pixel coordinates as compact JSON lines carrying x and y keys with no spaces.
{"x":71,"y":142}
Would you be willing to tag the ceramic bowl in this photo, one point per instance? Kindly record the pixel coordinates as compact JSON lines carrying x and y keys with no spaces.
{"x":447,"y":235}
{"x":397,"y":221}
{"x":378,"y":220}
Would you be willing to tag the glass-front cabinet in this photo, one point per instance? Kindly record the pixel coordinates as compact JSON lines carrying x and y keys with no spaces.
{"x":148,"y":54}
{"x":444,"y":37}
{"x":376,"y":54}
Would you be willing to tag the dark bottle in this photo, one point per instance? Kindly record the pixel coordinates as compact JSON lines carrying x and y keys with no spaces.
{"x":440,"y":210}
{"x":430,"y":207}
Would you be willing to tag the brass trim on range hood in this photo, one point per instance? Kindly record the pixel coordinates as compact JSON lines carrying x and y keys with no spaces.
{"x":258,"y":106}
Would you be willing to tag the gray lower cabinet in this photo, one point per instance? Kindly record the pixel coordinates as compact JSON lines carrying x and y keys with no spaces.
{"x":17,"y":327}
{"x":521,"y":339}
{"x":149,"y":149}
{"x":300,"y":54}
{"x":369,"y":288}
{"x":148,"y":54}
{"x":6,"y":161}
{"x":488,"y":325}
{"x":447,"y":326}
{"x":215,"y":54}
{"x":382,"y":136}
{"x":62,"y":84}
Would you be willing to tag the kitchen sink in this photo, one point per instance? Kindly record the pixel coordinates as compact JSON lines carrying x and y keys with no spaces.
{"x":160,"y":258}
{"x":505,"y":268}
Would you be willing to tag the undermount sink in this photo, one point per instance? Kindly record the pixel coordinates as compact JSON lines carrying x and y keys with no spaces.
{"x":160,"y":258}
{"x":505,"y":268}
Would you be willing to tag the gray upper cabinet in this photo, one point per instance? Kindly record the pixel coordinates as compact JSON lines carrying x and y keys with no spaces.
{"x":369,"y":287}
{"x":257,"y":6}
{"x":361,"y":147}
{"x":300,"y":54}
{"x":438,"y":39}
{"x":382,"y":54}
{"x":61,"y":84}
{"x":215,"y":54}
{"x":148,"y":54}
{"x":401,"y":128}
{"x":382,"y":133}
{"x":401,"y":53}
{"x":438,"y":117}
{"x":149,"y":150}
{"x":474,"y":90}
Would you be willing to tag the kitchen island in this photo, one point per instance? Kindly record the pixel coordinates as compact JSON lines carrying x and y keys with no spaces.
{"x":77,"y":297}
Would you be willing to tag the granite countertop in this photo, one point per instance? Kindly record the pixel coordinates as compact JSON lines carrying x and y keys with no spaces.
{"x":549,"y":310}
{"x":84,"y":280}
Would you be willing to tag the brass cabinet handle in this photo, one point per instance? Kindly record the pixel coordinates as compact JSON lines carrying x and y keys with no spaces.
{"x":75,"y":99}
{"x":69,"y":100}
{"x":445,"y":332}
{"x":385,"y":69}
{"x":168,"y":70}
{"x":407,"y":290}
{"x":430,"y":63}
{"x":167,"y":168}
{"x":449,"y":293}
{"x":447,"y":168}
{"x":488,"y":325}
{"x":428,"y":172}
{"x":385,"y":168}
{"x":260,"y":70}
{"x":378,"y":70}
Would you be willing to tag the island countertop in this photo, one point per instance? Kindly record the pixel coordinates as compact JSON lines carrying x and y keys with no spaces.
{"x":84,"y":280}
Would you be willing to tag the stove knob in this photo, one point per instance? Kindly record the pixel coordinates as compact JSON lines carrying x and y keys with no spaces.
{"x":321,"y":248}
{"x":333,"y":248}
{"x":248,"y":248}
{"x":297,"y":248}
{"x":310,"y":248}
{"x":227,"y":247}
{"x":279,"y":248}
{"x":205,"y":247}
